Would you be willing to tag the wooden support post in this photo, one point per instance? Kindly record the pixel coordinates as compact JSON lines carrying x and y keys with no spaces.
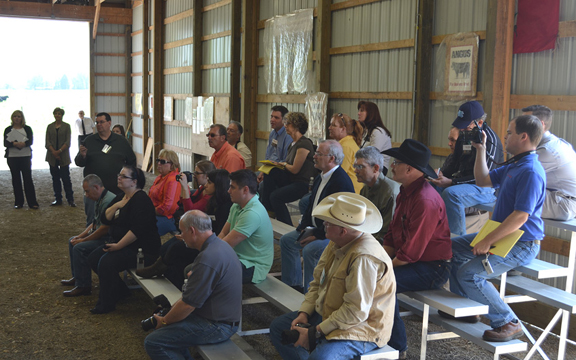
{"x":250,"y":14}
{"x":145,"y":77}
{"x":498,"y":68}
{"x":235,"y":60}
{"x":423,"y":71}
{"x":197,"y":47}
{"x":93,"y":109}
{"x":128,"y":78}
{"x":323,"y":43}
{"x":158,"y":84}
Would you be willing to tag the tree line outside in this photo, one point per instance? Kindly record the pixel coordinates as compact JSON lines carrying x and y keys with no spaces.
{"x":38,"y":82}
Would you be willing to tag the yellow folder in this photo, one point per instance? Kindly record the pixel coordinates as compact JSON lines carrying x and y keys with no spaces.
{"x":267,"y":166}
{"x":501,"y":247}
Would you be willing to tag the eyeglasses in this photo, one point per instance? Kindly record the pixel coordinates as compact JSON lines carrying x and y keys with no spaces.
{"x":358,"y":166}
{"x":397,"y":162}
{"x":101,"y":122}
{"x":124,"y":176}
{"x":162,"y":161}
{"x":198,"y":173}
{"x":212,"y":135}
{"x":320,"y":154}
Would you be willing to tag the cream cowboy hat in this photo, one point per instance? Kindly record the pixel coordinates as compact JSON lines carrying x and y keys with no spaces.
{"x":349,"y":210}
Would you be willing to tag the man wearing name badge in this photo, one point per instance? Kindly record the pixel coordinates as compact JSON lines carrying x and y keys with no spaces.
{"x":248,"y":229}
{"x":84,"y":126}
{"x":349,"y":308}
{"x":522,"y":184}
{"x":558,"y":159}
{"x":211,"y":305}
{"x":278,"y":140}
{"x":94,"y":236}
{"x":224,"y":156}
{"x":104,"y":154}
{"x":457,"y":181}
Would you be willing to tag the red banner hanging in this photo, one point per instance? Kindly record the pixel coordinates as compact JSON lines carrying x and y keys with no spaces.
{"x":536,"y":25}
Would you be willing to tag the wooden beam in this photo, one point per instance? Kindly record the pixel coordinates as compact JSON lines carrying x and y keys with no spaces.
{"x":323,"y":43}
{"x":351,"y":3}
{"x":197,"y":48}
{"x":92,"y":75}
{"x":424,"y":54}
{"x":235,"y":59}
{"x":215,"y":5}
{"x":215,"y":66}
{"x":290,"y":99}
{"x":110,"y":54}
{"x":96,"y":18}
{"x":145,"y":77}
{"x":437,"y":40}
{"x":128,"y":80}
{"x":180,"y":16}
{"x":498,"y":67}
{"x":178,"y":70}
{"x":387,"y":45}
{"x":158,"y":91}
{"x":387,"y":95}
{"x":249,"y":72}
{"x":554,"y":102}
{"x":217,"y":35}
{"x":567,"y":29}
{"x":110,"y":74}
{"x":109,"y":94}
{"x":108,"y":15}
{"x":440,"y":96}
{"x":178,"y":43}
{"x":440,"y":151}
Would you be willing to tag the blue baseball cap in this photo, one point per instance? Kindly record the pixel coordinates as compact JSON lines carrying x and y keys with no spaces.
{"x":468,"y":112}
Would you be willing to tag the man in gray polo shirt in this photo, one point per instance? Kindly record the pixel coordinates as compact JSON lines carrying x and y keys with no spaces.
{"x":211,"y":304}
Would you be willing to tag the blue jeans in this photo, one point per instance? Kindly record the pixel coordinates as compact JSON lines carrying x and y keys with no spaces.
{"x":469,"y":279}
{"x":304,"y":202}
{"x":172,"y":341}
{"x":58,"y":173}
{"x":81,"y":270}
{"x":290,"y":255}
{"x":165,"y":225}
{"x":325,"y":349}
{"x":459,"y":197}
{"x":422,"y":275}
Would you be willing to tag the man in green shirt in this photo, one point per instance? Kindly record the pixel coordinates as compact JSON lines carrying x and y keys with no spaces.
{"x":248,"y":229}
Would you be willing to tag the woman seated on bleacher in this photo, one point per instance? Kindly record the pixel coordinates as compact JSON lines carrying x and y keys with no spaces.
{"x":199,"y":199}
{"x":348,"y":132}
{"x":174,"y":255}
{"x":132,"y":220}
{"x":165,"y":192}
{"x":290,"y":183}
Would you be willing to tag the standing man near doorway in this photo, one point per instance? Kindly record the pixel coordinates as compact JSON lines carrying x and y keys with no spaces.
{"x":104,"y":154}
{"x":85,"y":127}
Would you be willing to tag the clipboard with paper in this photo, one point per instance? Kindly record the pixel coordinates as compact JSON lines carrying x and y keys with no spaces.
{"x":267,"y":166}
{"x":501,"y":247}
{"x":15,"y":135}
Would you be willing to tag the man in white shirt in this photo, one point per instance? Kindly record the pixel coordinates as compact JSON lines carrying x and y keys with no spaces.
{"x":85,"y":127}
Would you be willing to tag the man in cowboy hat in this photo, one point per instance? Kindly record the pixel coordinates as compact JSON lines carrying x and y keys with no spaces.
{"x":522,"y":183}
{"x":350,"y":302}
{"x":459,"y":191}
{"x":418,"y":239}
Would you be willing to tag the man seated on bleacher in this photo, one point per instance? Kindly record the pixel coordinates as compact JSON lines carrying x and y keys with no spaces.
{"x":211,"y":305}
{"x":94,"y":236}
{"x":457,"y":181}
{"x":333,"y":179}
{"x":248,"y":229}
{"x":418,"y":239}
{"x":558,"y":159}
{"x":522,"y":184}
{"x":379,"y":189}
{"x":350,"y":304}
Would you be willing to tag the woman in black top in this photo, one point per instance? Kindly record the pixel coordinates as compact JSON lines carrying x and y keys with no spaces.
{"x":17,"y":139}
{"x":132,"y":220}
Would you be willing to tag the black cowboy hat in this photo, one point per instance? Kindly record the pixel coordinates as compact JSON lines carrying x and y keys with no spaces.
{"x":415,"y":154}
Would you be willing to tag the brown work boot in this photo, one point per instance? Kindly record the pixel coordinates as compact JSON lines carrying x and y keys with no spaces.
{"x":156,"y":269}
{"x":504,"y":333}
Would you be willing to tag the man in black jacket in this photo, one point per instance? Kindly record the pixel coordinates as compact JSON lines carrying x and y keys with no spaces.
{"x":310,"y":236}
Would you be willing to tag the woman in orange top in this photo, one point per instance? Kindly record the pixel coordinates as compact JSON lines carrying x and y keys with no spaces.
{"x":165,"y":192}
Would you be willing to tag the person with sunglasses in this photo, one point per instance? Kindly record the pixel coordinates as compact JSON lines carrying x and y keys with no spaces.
{"x":165,"y":191}
{"x":225,"y":156}
{"x":103,"y":154}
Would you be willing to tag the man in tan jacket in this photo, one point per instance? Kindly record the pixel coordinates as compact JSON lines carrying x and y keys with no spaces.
{"x":352,"y":296}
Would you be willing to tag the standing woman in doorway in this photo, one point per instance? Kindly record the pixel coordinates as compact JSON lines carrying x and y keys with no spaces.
{"x":375,"y":133}
{"x":58,"y":156}
{"x":17,"y":139}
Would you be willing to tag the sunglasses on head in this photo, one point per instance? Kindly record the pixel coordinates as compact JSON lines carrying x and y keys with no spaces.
{"x":162,"y":161}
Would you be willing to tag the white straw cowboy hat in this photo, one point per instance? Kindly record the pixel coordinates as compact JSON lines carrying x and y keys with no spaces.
{"x":351,"y":211}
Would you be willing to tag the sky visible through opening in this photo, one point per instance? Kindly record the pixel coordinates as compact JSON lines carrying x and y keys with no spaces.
{"x":44,"y":64}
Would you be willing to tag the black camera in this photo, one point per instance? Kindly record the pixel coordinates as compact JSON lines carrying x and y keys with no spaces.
{"x":470,"y":136}
{"x":291,"y":336}
{"x":188,"y":176}
{"x":161,"y":310}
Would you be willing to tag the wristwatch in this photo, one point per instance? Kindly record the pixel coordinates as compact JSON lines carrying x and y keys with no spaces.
{"x":318,"y":334}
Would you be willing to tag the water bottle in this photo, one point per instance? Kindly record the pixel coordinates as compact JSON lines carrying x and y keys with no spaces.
{"x":311,"y":184}
{"x":184,"y":286}
{"x":140,"y":259}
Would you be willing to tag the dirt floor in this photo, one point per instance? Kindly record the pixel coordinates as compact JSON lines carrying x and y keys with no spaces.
{"x":39,"y":323}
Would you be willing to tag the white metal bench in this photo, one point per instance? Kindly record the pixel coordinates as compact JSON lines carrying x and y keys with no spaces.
{"x":425,"y":303}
